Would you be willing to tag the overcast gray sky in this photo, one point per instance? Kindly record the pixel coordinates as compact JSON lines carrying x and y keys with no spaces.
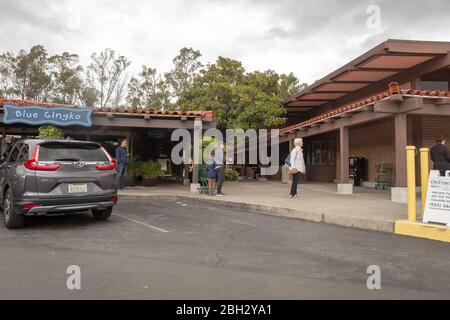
{"x":309,"y":38}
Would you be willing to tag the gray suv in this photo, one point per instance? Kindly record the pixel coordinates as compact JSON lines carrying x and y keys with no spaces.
{"x":39,"y":177}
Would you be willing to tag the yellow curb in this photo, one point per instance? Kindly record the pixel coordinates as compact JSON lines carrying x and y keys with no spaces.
{"x":422,"y":230}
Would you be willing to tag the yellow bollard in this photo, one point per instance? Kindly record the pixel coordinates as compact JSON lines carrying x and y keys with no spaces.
{"x":411,"y":181}
{"x":424,"y":175}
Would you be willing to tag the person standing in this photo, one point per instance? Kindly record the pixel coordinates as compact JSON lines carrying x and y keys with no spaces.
{"x":212,"y":175}
{"x":440,"y":155}
{"x":122,"y":162}
{"x":297,"y":165}
{"x":220,"y":168}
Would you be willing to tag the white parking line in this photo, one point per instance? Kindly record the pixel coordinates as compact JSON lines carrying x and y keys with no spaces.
{"x":141,"y":223}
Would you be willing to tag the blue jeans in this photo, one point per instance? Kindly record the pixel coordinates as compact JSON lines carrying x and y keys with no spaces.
{"x":121,"y":170}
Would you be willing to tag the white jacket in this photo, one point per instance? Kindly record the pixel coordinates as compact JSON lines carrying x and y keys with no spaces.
{"x":297,"y":160}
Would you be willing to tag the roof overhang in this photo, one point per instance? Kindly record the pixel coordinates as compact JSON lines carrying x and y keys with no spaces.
{"x":383,"y":62}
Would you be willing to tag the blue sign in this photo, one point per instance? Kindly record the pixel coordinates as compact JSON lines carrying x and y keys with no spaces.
{"x":35,"y":115}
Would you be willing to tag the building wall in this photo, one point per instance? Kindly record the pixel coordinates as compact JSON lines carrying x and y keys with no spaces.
{"x":374,"y":141}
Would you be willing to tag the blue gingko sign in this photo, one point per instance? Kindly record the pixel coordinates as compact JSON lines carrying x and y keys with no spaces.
{"x":35,"y":115}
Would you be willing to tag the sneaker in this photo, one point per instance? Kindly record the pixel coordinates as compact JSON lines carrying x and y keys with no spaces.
{"x":220,"y":194}
{"x":298,"y":196}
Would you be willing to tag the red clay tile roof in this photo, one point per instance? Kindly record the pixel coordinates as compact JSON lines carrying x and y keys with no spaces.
{"x":393,"y":89}
{"x":132,"y":111}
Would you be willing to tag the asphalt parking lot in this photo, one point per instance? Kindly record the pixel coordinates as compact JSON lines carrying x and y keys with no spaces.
{"x":161,"y":249}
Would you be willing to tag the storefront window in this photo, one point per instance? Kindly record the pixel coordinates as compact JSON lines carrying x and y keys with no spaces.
{"x":321,"y":152}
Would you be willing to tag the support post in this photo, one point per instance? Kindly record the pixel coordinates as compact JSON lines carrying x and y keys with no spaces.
{"x":197,"y":156}
{"x":399,"y":192}
{"x":424,"y":169}
{"x":344,"y":187}
{"x":411,"y":181}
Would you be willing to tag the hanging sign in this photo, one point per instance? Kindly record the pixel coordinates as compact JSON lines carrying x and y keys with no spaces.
{"x":36,"y":115}
{"x":437,"y":208}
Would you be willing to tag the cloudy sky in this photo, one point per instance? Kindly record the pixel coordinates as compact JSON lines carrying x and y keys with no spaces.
{"x":309,"y":38}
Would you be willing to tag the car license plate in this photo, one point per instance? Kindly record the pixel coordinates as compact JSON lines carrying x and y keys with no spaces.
{"x":77,"y":187}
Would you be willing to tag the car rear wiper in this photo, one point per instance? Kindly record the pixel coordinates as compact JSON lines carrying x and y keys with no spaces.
{"x":67,"y":159}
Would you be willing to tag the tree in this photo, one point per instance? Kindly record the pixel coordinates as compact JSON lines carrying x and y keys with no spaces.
{"x":289,"y":85}
{"x":238,"y":99}
{"x":148,"y":90}
{"x":104,"y":74}
{"x":26,"y":75}
{"x":186,"y":67}
{"x":67,"y":79}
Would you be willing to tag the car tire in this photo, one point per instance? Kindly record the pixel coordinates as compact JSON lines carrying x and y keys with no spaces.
{"x":102,"y":214}
{"x":11,"y":219}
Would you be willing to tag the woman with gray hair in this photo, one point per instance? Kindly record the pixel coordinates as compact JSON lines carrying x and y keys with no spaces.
{"x":297,"y":165}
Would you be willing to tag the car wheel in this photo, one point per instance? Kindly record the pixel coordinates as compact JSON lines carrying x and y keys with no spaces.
{"x":102,"y":214}
{"x":11,"y":219}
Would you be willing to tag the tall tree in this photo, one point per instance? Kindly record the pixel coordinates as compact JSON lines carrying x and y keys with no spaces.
{"x":104,"y":74}
{"x":148,"y":90}
{"x":239,"y":99}
{"x":67,"y":78}
{"x":289,"y":85}
{"x":186,"y":67}
{"x":26,"y":75}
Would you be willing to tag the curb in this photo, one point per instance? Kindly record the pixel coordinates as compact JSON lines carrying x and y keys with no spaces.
{"x":345,"y":221}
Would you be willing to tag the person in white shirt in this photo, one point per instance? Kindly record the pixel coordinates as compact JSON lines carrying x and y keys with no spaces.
{"x":297,"y":165}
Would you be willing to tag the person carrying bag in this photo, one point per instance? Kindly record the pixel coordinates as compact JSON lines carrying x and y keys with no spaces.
{"x":296,"y":166}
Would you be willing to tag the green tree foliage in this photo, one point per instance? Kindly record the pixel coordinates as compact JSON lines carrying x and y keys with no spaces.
{"x":50,"y":132}
{"x":148,"y":90}
{"x":67,"y":78}
{"x":26,"y":75}
{"x":186,"y":67}
{"x":239,"y":99}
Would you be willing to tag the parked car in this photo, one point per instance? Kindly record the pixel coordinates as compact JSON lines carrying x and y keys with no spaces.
{"x":39,"y":177}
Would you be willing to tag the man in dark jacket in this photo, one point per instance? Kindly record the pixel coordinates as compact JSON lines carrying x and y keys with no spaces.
{"x":440,"y":155}
{"x":122,"y":162}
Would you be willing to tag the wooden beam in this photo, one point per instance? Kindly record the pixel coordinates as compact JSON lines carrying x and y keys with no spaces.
{"x":356,"y":119}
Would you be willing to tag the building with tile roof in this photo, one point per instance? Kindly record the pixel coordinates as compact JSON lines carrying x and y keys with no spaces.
{"x":394,"y":95}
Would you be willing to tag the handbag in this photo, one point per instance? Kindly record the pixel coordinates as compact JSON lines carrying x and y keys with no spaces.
{"x":293,"y":170}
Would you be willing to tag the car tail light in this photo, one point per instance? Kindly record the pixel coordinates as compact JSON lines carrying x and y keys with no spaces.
{"x":33,"y":164}
{"x":114,"y":199}
{"x":107,"y":166}
{"x":28,"y":206}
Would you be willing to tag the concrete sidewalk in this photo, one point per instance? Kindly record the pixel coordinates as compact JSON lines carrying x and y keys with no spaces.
{"x":365,"y":209}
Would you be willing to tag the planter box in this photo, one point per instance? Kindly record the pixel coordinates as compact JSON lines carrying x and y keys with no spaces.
{"x":149,"y":181}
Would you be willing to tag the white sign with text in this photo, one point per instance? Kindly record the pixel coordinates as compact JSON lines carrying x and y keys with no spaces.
{"x":437,"y":208}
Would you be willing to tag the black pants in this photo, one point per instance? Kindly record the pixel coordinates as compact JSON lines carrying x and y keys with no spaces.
{"x":220,"y":177}
{"x":295,"y":178}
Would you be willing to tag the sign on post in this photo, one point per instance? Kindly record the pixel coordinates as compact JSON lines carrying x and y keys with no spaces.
{"x":437,"y":208}
{"x":36,"y":115}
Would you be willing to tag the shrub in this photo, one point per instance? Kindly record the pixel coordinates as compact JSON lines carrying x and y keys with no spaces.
{"x":231,"y":175}
{"x":50,"y":132}
{"x":150,"y":169}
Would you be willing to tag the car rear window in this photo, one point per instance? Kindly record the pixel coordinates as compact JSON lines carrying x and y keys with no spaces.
{"x":71,"y":152}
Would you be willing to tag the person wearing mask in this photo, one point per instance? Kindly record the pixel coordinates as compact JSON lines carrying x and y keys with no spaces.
{"x":297,"y":166}
{"x":220,"y":168}
{"x":440,"y":155}
{"x":122,"y":162}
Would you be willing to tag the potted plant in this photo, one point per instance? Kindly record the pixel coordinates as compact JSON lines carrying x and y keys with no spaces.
{"x":132,"y":173}
{"x":231,"y":175}
{"x":150,"y":170}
